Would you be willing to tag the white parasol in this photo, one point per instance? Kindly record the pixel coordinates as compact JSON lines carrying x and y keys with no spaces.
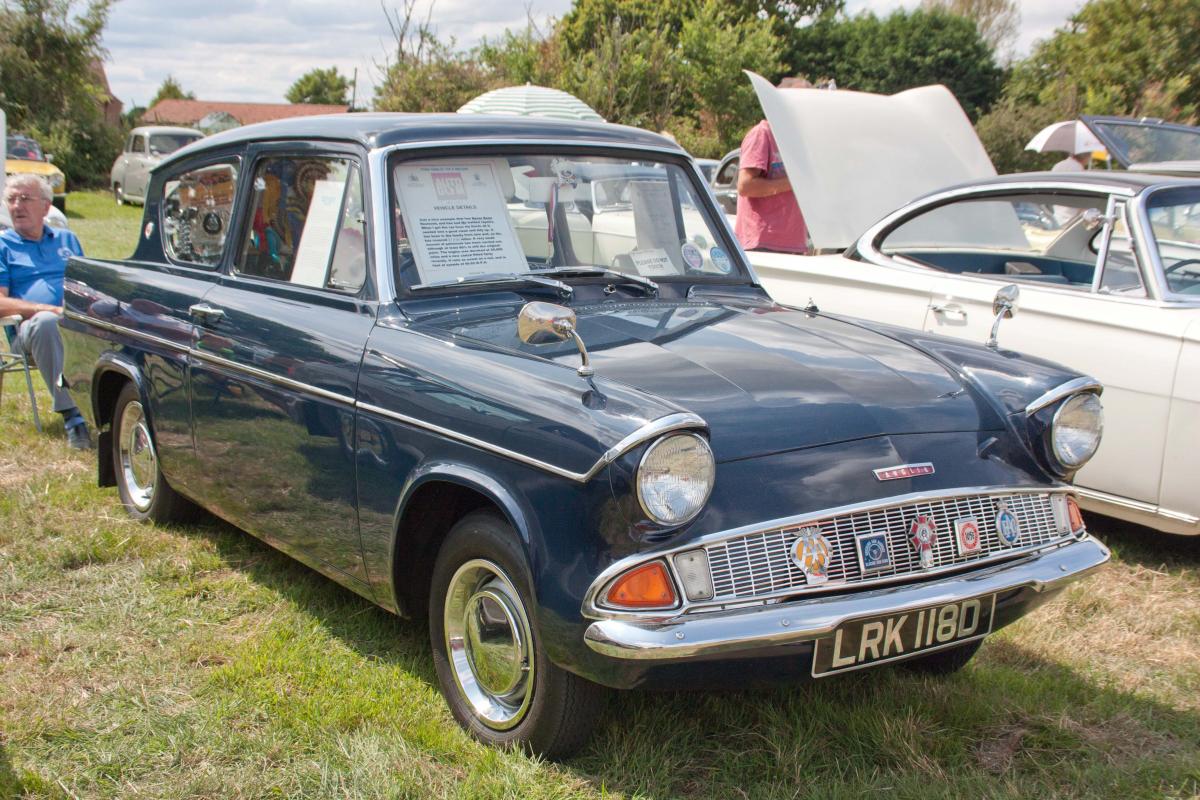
{"x":531,"y":101}
{"x":1070,"y":137}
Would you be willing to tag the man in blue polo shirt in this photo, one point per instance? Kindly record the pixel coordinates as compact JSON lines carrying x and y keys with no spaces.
{"x":33,"y":260}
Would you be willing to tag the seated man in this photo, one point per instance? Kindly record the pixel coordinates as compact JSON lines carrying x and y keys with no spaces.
{"x":33,"y":260}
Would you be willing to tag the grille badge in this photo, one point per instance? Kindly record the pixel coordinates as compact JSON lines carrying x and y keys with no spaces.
{"x":904,"y":471}
{"x":812,"y":554}
{"x":923,"y":535}
{"x":1006,"y":524}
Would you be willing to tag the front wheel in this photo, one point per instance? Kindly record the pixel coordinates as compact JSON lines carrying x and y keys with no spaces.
{"x":499,"y":683}
{"x":144,"y":491}
{"x":118,"y":194}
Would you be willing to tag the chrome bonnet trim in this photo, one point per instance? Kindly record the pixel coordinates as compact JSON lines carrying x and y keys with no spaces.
{"x":1083,"y":384}
{"x":591,"y":608}
{"x":684,"y":636}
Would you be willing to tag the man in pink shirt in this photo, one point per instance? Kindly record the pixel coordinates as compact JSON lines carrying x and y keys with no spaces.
{"x":768,"y":217}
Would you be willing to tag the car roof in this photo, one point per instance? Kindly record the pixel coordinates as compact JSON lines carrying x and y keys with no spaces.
{"x":381,"y":129}
{"x":165,"y":129}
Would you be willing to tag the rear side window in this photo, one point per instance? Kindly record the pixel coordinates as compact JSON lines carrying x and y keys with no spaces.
{"x":306,"y":224}
{"x":196,"y":209}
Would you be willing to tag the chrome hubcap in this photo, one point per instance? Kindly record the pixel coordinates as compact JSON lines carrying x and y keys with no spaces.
{"x":488,"y":644}
{"x":139,"y":462}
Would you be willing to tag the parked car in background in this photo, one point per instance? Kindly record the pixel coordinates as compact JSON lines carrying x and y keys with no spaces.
{"x":54,"y":216}
{"x":724,"y":181}
{"x":144,"y":148}
{"x":24,"y":155}
{"x":1107,"y":264}
{"x":514,"y":374}
{"x":708,"y":166}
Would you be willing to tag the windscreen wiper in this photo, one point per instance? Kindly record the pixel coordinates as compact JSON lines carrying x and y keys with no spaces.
{"x":624,"y":277}
{"x":500,"y":278}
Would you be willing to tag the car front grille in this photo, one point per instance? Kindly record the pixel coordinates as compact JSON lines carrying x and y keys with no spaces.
{"x":759,"y":564}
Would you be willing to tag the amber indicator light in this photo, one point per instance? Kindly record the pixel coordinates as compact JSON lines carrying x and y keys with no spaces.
{"x":1075,"y":515}
{"x":648,"y":586}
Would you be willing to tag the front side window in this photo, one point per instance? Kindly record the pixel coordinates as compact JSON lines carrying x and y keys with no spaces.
{"x":1034,"y":238}
{"x":196,"y":210}
{"x":1175,"y":222}
{"x":306,"y":223}
{"x":471,"y":216}
{"x":139,"y":143}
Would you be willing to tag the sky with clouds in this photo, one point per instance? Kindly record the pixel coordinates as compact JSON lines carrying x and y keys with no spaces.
{"x":253,"y":50}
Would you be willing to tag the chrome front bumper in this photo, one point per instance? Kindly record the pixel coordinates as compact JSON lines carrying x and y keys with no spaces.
{"x":787,"y":623}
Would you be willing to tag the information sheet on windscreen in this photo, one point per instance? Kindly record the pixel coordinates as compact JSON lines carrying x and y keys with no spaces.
{"x":457,"y":220}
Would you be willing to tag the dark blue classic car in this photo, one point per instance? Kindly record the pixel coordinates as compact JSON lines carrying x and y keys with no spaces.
{"x":516,"y":374}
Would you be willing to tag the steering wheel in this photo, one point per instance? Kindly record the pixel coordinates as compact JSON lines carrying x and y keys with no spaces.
{"x":1180,"y":265}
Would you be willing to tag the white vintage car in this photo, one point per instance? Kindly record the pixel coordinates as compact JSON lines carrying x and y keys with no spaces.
{"x":1107,"y":266}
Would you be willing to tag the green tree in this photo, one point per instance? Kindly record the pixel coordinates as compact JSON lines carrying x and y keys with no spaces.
{"x":170,"y":90}
{"x":323,"y":86}
{"x":48,"y":86}
{"x":1135,"y":57}
{"x":900,"y":51}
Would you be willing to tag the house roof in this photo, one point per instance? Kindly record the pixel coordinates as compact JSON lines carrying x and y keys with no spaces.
{"x":189,"y":112}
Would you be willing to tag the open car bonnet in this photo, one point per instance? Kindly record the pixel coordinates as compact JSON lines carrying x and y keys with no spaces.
{"x":853,"y":157}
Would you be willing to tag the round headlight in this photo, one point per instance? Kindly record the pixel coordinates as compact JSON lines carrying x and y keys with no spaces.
{"x":1075,"y":432}
{"x":675,"y":478}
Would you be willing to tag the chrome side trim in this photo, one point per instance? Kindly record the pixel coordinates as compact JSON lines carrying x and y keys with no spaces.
{"x":121,"y":329}
{"x":650,"y":430}
{"x":1083,"y":384}
{"x":1137,"y":505}
{"x":684,"y":636}
{"x":647,"y":431}
{"x":270,"y":377}
{"x":592,"y":610}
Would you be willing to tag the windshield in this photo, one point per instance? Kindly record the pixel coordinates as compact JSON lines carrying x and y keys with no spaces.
{"x":1135,"y":142}
{"x":163,"y":143}
{"x":462,"y":218}
{"x":1175,"y":219}
{"x":23,"y":149}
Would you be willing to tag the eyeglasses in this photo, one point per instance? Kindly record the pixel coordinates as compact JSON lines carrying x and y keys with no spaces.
{"x":16,"y":199}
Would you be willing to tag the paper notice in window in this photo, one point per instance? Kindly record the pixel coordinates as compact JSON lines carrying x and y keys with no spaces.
{"x":652,"y":262}
{"x":320,"y":227}
{"x":654,"y":219}
{"x":457,"y":220}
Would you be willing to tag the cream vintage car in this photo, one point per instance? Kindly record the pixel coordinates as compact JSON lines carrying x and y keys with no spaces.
{"x":1106,"y":266}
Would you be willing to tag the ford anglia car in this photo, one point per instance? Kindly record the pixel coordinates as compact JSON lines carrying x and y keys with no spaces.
{"x":517,"y":375}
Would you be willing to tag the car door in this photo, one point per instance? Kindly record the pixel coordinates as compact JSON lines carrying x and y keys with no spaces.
{"x":280,"y":345}
{"x":1083,"y":303}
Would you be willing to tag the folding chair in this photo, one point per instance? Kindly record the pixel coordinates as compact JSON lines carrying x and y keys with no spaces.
{"x":13,"y":362}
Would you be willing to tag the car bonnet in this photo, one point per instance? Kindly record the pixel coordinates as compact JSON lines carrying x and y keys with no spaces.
{"x":854,"y":157}
{"x":765,"y":379}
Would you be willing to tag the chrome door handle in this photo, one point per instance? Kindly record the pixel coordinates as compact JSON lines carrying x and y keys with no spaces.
{"x":951,"y":310}
{"x":206,"y":313}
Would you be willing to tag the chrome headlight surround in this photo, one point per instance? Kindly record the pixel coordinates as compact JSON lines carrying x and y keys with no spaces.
{"x":675,"y":478}
{"x":1076,"y":430}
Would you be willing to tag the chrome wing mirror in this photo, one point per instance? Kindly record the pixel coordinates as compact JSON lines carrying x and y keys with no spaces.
{"x":545,"y":323}
{"x":1004,"y":304}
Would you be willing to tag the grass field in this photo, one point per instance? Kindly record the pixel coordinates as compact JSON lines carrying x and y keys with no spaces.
{"x":140,"y":662}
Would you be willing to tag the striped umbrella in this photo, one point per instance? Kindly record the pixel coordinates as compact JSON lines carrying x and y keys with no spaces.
{"x":531,"y":101}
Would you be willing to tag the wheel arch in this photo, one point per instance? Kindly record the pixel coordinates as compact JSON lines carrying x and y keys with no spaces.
{"x":436,"y":497}
{"x":110,"y":375}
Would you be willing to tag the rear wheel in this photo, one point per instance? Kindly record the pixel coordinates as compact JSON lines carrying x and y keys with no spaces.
{"x":491,"y":668}
{"x":944,"y":662}
{"x":144,"y":491}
